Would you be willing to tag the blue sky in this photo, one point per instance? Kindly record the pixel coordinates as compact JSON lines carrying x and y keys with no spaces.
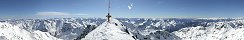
{"x":119,"y":8}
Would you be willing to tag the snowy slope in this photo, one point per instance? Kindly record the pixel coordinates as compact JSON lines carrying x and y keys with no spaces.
{"x":231,"y":30}
{"x":113,"y":30}
{"x":63,"y":28}
{"x":11,"y":32}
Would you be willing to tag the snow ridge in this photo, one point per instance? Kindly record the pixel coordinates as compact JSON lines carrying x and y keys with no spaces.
{"x":113,"y":30}
{"x":12,"y":32}
{"x":232,"y":30}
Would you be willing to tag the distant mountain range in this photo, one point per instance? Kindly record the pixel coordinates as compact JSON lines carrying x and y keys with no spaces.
{"x":140,"y":28}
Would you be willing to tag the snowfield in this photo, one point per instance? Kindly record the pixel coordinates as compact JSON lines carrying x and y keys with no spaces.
{"x":122,"y":29}
{"x":232,"y":30}
{"x":9,"y":32}
{"x":113,"y":30}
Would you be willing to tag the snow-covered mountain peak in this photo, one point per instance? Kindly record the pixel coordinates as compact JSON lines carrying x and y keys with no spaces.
{"x":113,"y":30}
{"x":12,"y":32}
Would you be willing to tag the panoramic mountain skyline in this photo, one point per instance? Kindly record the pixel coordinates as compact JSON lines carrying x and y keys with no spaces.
{"x":121,"y":20}
{"x":123,"y":8}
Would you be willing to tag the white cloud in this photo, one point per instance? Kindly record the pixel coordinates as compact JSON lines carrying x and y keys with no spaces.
{"x":51,"y":14}
{"x":81,"y":14}
{"x":56,"y":14}
{"x":130,"y":6}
